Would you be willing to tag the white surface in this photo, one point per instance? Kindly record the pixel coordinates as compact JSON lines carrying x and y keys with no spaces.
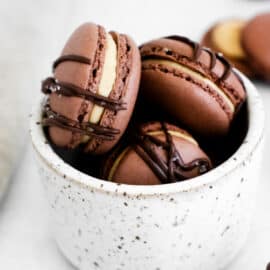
{"x":33,"y":33}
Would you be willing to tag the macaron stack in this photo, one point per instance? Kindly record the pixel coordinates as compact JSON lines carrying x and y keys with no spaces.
{"x":90,"y":105}
{"x":245,"y":44}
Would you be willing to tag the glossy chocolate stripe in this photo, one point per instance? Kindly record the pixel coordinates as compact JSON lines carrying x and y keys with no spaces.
{"x":170,"y":172}
{"x":85,"y":128}
{"x":51,"y":85}
{"x":213,"y":58}
{"x":197,"y":49}
{"x":153,"y":165}
{"x":73,"y":58}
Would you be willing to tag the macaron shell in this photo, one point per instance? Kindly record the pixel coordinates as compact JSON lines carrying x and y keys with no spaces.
{"x":191,"y":100}
{"x":129,"y":86}
{"x":182,"y":53}
{"x":82,"y":42}
{"x":196,"y":108}
{"x":242,"y":65}
{"x":256,"y":43}
{"x":77,"y":108}
{"x":133,"y":170}
{"x":69,"y":107}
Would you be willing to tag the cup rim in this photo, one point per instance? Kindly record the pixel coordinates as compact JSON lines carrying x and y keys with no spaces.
{"x":252,"y":139}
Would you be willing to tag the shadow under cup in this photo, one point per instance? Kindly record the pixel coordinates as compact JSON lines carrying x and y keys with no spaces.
{"x":197,"y":224}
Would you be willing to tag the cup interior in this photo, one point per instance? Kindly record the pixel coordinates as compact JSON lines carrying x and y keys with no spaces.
{"x":250,"y":123}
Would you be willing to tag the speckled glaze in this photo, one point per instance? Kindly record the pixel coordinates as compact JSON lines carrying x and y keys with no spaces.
{"x":193,"y":225}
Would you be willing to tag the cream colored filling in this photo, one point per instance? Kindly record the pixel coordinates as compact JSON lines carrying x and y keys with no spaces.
{"x":227,"y":38}
{"x":175,"y":134}
{"x":193,"y":74}
{"x":107,"y":78}
{"x":152,"y":133}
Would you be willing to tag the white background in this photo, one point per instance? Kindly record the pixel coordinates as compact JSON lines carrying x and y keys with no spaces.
{"x":32,"y":34}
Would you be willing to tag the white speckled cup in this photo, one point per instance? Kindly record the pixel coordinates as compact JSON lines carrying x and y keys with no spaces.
{"x":192,"y":225}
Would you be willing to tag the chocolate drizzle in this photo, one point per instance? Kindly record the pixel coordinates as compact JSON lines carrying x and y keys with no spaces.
{"x":197,"y":50}
{"x":73,"y":58}
{"x":51,"y":118}
{"x":86,"y":128}
{"x":213,"y":58}
{"x":50,"y":85}
{"x":172,"y":170}
{"x":196,"y":46}
{"x":228,"y":67}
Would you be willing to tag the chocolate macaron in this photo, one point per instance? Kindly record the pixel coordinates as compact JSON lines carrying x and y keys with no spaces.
{"x":194,"y":84}
{"x":93,"y":91}
{"x":225,"y":37}
{"x":256,"y":43}
{"x":161,"y":153}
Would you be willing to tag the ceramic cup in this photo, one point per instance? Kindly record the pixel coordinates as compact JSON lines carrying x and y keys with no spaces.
{"x":197,"y":224}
